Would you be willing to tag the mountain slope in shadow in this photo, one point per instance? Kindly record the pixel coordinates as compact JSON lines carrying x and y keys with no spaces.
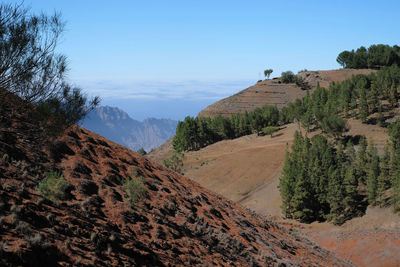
{"x":116,"y":125}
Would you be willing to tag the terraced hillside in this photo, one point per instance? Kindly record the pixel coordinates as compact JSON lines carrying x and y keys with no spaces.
{"x":273,"y":92}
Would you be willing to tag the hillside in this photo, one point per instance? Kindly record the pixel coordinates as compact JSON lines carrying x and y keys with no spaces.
{"x":273,"y":92}
{"x":247,"y":171}
{"x":116,"y":125}
{"x":177,"y":222}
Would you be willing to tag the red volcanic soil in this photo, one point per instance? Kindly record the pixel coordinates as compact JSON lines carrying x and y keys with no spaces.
{"x":176,"y":223}
{"x":371,"y":240}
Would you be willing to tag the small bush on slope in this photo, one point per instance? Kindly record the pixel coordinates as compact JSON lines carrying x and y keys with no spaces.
{"x":269,"y":130}
{"x":175,"y":162}
{"x":134,"y":188}
{"x":54,"y":187}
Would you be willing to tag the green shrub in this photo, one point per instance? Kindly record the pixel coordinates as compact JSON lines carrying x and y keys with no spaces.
{"x":134,"y":189}
{"x":134,"y":172}
{"x":288,"y":77}
{"x":175,"y":162}
{"x":270,"y":130}
{"x":54,"y":187}
{"x":142,"y":152}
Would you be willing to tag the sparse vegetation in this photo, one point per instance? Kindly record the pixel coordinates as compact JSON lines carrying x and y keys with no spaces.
{"x":14,"y":218}
{"x":54,"y":187}
{"x":175,"y":162}
{"x":36,"y":241}
{"x":23,"y":228}
{"x":269,"y":130}
{"x":288,"y":77}
{"x":267,"y":73}
{"x":142,"y":152}
{"x":134,"y":188}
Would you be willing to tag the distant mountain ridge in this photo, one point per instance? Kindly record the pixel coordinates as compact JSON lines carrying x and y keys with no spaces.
{"x":116,"y":125}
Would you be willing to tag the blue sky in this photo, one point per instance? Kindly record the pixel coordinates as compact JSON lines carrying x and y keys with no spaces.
{"x":173,"y":58}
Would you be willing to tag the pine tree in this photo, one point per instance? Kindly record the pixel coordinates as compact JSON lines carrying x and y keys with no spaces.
{"x":350,"y":152}
{"x":351,"y":199}
{"x":316,"y":175}
{"x":380,"y":118}
{"x":395,"y":196}
{"x":286,"y":185}
{"x":361,"y":160}
{"x":393,"y":95}
{"x":302,"y":200}
{"x":320,"y":160}
{"x":384,"y":176}
{"x":372,"y":174}
{"x":363,"y":106}
{"x":336,"y":196}
{"x":340,"y":156}
{"x":395,"y":165}
{"x":307,"y":120}
{"x":373,"y":98}
{"x":327,"y":162}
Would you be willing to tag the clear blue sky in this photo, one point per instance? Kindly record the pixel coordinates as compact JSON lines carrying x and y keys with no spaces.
{"x":173,"y":58}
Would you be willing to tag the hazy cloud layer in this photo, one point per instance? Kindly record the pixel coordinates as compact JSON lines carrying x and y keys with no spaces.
{"x":164,"y":90}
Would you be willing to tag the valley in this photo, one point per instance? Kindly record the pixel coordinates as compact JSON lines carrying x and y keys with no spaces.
{"x":298,"y":169}
{"x":247,"y":170}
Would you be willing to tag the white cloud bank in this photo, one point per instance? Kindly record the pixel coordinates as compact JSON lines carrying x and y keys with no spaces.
{"x":164,"y":90}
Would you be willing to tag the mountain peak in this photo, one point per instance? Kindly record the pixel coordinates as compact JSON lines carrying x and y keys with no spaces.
{"x":116,"y":125}
{"x":108,"y":113}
